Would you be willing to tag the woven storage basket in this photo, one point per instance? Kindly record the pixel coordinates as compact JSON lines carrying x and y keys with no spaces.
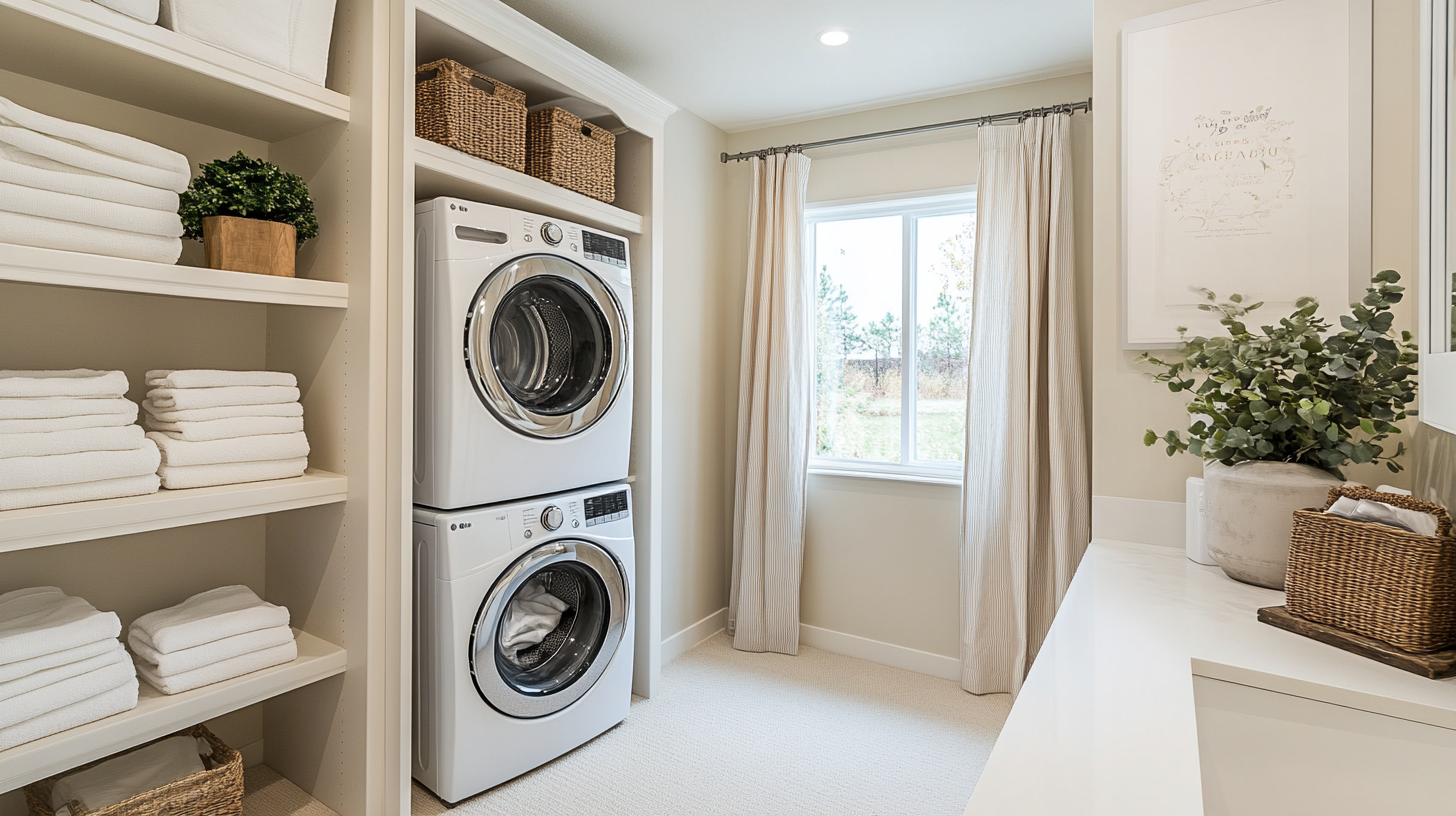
{"x":569,"y":152}
{"x":471,"y":112}
{"x":217,"y":791}
{"x":1374,"y":580}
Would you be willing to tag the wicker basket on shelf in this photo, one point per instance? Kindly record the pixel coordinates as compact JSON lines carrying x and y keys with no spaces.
{"x":467,"y":110}
{"x":1382,"y":582}
{"x":568,"y":151}
{"x":216,"y":791}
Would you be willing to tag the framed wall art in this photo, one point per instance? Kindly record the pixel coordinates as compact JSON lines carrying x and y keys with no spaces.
{"x":1246,"y":160}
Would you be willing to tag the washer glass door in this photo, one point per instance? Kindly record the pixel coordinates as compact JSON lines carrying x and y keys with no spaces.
{"x":548,"y":628}
{"x":547,"y":346}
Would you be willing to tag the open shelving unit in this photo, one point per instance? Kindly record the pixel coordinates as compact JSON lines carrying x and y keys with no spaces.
{"x":158,"y":714}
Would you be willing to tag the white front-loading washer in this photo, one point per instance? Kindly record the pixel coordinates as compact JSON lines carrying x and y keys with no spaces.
{"x":488,"y":704}
{"x":523,"y":355}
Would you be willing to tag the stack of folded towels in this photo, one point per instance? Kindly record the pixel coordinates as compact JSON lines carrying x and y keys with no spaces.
{"x":211,"y":637}
{"x":61,"y":665}
{"x":70,"y":436}
{"x":225,"y":427}
{"x":64,"y":185}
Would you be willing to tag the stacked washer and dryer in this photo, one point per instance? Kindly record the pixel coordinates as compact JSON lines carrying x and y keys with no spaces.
{"x":523,"y":543}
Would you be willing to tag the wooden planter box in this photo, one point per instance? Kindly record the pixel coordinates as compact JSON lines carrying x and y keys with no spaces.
{"x":249,"y":245}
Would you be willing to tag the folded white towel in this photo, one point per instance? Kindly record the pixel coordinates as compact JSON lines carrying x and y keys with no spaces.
{"x":181,"y":453}
{"x":65,"y":692}
{"x":49,"y":407}
{"x":21,"y":472}
{"x":186,"y":660}
{"x":121,"y":437}
{"x":122,"y":698}
{"x":48,"y":233}
{"x":187,"y":399}
{"x":220,"y":671}
{"x":83,"y":210}
{"x":206,"y":617}
{"x":122,"y":777}
{"x":65,"y":671}
{"x":35,"y":665}
{"x":94,"y":149}
{"x":77,"y":382}
{"x":183,"y":478}
{"x":1377,"y":512}
{"x":123,"y":416}
{"x":282,"y":409}
{"x":80,"y":492}
{"x":222,"y":428}
{"x":530,"y":617}
{"x":145,"y":10}
{"x":213,"y":378}
{"x":29,"y":170}
{"x":44,"y":620}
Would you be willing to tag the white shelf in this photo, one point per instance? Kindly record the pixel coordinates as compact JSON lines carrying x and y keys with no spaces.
{"x":82,"y":45}
{"x":157,"y":714}
{"x":78,"y":269}
{"x":62,"y":523}
{"x":444,"y":171}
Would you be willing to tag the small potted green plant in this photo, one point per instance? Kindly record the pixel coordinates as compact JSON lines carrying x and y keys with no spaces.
{"x":250,"y":215}
{"x":1281,"y":410}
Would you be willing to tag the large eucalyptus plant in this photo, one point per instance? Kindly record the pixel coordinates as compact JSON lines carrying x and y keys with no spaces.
{"x":1297,"y":391}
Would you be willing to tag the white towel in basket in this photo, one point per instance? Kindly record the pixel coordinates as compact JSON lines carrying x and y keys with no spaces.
{"x":81,"y":492}
{"x":91,"y":148}
{"x":166,"y":664}
{"x":215,"y":378}
{"x":280,"y":409}
{"x":77,"y":382}
{"x":44,"y":620}
{"x":48,"y":407}
{"x":231,"y":428}
{"x":122,"y":698}
{"x":124,"y":416}
{"x":181,"y":453}
{"x":29,"y":170}
{"x":183,"y":478}
{"x":206,"y":617}
{"x":86,"y":651}
{"x":65,"y":671}
{"x":121,"y":437}
{"x":122,"y":777}
{"x":21,"y":472}
{"x":48,"y":233}
{"x":220,"y":671}
{"x":185,"y":399}
{"x":82,"y":210}
{"x":66,"y":692}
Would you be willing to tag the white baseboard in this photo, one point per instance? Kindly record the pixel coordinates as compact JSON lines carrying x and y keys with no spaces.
{"x":680,"y":643}
{"x":1142,"y":521}
{"x":886,"y":654}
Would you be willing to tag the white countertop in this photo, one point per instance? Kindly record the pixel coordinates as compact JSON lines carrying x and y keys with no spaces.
{"x":1105,"y":723}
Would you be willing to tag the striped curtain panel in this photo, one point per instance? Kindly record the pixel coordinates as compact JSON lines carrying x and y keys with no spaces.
{"x":775,"y":421}
{"x":1026,"y":514}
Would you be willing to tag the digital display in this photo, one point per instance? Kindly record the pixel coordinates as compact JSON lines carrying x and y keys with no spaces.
{"x":605,"y":508}
{"x":604,"y":248}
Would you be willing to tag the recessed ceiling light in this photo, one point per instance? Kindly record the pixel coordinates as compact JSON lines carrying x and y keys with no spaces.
{"x":834,"y":36}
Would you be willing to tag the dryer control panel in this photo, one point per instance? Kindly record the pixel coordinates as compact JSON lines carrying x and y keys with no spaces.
{"x":606,"y":507}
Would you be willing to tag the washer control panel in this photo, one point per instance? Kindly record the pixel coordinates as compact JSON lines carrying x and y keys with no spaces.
{"x":604,"y":248}
{"x":606,"y":507}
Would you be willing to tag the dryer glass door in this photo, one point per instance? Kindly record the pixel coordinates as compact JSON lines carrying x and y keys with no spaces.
{"x":547,"y":346}
{"x":548,"y":629}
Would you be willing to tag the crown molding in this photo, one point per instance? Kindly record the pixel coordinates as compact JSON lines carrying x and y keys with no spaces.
{"x":523,"y":39}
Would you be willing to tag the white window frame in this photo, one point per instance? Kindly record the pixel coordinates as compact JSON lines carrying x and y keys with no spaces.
{"x":948,"y":201}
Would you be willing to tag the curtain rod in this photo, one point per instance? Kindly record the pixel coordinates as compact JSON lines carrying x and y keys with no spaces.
{"x":979,"y":121}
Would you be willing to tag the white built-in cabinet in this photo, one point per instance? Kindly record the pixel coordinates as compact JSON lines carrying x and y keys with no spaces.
{"x":334,"y":545}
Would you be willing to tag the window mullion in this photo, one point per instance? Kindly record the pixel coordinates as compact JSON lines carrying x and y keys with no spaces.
{"x":907,"y":340}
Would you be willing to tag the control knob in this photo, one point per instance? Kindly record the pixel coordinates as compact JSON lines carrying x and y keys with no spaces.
{"x":550,"y":233}
{"x":551,"y":517}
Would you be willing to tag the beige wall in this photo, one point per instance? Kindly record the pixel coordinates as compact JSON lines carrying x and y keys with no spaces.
{"x":698,"y":330}
{"x":881,"y":557}
{"x":1125,"y":402}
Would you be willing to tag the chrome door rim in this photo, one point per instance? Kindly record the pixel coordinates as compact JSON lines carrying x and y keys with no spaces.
{"x":488,"y":386}
{"x":492,"y":688}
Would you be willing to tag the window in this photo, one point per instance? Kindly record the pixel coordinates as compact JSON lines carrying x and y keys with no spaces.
{"x":894,"y":283}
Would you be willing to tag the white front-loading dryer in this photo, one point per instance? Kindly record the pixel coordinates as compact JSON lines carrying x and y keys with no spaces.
{"x":488,"y":707}
{"x":523,"y":355}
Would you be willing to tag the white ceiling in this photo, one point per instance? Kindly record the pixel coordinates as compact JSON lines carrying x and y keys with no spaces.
{"x":747,"y":64}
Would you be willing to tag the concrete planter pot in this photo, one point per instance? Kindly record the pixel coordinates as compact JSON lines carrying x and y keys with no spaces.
{"x":1248,"y":512}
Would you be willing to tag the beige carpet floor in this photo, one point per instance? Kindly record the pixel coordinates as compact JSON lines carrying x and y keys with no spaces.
{"x":267,"y":793}
{"x":769,"y":735}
